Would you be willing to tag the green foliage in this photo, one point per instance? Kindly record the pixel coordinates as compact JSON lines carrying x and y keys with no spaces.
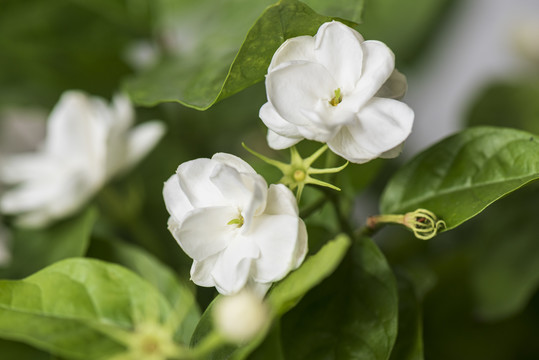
{"x":77,"y":308}
{"x":508,"y":104}
{"x":54,"y":45}
{"x":35,"y":249}
{"x":460,"y":176}
{"x":283,"y":296}
{"x":403,"y":25}
{"x":505,"y":273}
{"x":409,"y":344}
{"x":224,"y":62}
{"x":351,"y":315}
{"x":184,"y":310}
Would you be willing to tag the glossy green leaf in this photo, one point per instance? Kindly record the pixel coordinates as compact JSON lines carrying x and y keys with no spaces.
{"x":34,"y":249}
{"x":461,"y":175}
{"x":180,"y":297}
{"x":505,"y":272}
{"x":409,"y":343}
{"x":351,"y":10}
{"x":350,"y":315}
{"x":74,"y":307}
{"x":231,"y":52}
{"x":283,"y":296}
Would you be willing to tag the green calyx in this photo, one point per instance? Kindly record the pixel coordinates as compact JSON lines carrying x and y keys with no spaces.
{"x":298,"y":172}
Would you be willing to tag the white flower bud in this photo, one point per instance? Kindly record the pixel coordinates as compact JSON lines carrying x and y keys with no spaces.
{"x":240,"y":317}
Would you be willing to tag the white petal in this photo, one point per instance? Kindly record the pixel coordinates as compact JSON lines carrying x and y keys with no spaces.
{"x":337,"y":48}
{"x":23,"y":167}
{"x":281,"y":201}
{"x":302,"y":245}
{"x":382,"y":125}
{"x":201,"y":271}
{"x":296,"y":88}
{"x":276,"y":236}
{"x":205,"y":232}
{"x":278,"y":142}
{"x":234,"y":161}
{"x":77,"y":129}
{"x":176,"y":202}
{"x":124,"y":114}
{"x":232,"y":269}
{"x":395,"y":87}
{"x":392,"y":152}
{"x":378,"y":65}
{"x":297,"y":48}
{"x":195,"y":183}
{"x":276,"y":123}
{"x":141,"y":140}
{"x":230,"y":184}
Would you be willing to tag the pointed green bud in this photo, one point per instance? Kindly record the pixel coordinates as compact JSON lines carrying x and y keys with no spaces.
{"x":298,"y":172}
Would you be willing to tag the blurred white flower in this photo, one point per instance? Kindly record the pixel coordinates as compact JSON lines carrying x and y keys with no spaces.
{"x":240,"y":317}
{"x":87,"y":142}
{"x":338,"y":89}
{"x":238,"y":232}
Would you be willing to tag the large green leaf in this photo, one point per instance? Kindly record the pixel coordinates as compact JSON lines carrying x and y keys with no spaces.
{"x":72,"y":307}
{"x":351,"y":10}
{"x":180,"y":297}
{"x":350,"y":315}
{"x":283,"y":296}
{"x":505,"y":271}
{"x":461,"y":175}
{"x":231,"y":52}
{"x":35,"y":249}
{"x":12,"y":350}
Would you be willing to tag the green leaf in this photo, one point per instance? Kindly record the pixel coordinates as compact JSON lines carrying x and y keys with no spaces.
{"x":286,"y":294}
{"x":233,"y":51}
{"x":351,"y":315}
{"x":283,"y":296}
{"x":345,"y":9}
{"x":18,"y":351}
{"x":180,"y":297}
{"x":35,"y":249}
{"x":74,"y":307}
{"x":460,"y":176}
{"x":505,"y":272}
{"x":409,"y":343}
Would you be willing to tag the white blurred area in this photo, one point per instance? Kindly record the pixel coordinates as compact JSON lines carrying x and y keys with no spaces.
{"x":481,"y":41}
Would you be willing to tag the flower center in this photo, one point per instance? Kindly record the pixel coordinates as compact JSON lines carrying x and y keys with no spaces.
{"x":299,"y":175}
{"x":337,"y":98}
{"x":237,"y":221}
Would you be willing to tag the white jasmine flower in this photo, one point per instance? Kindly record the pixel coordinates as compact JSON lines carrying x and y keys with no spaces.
{"x":238,"y":232}
{"x":338,"y":89}
{"x":240,"y":317}
{"x":87,"y":142}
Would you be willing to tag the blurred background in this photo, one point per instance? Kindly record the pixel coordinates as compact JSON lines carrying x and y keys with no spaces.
{"x":468,"y":63}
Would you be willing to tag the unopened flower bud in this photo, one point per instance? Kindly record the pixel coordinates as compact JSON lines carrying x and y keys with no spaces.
{"x":238,"y":318}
